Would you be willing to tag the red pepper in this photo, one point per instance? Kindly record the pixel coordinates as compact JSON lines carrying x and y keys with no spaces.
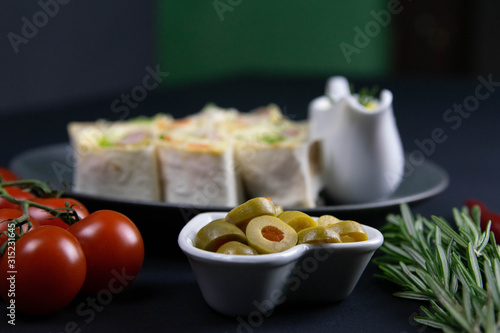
{"x":486,"y":216}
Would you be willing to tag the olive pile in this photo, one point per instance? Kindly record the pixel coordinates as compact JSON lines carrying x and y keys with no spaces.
{"x":259,"y":227}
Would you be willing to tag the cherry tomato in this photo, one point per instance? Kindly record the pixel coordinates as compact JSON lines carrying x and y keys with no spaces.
{"x":50,"y":270}
{"x":7,"y":175}
{"x":113,"y":247}
{"x":45,"y":218}
{"x":7,"y":214}
{"x":17,"y":193}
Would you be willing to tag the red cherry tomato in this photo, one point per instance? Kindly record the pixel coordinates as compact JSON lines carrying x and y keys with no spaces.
{"x":7,"y":175}
{"x":45,"y":218}
{"x":113,"y":247}
{"x":17,"y":193}
{"x":50,"y":270}
{"x":7,"y":214}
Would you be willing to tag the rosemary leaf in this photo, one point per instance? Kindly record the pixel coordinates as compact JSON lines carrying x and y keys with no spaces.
{"x":474,"y":265}
{"x":423,"y":244}
{"x":491,"y":326}
{"x":440,"y":314}
{"x":464,"y":276}
{"x":454,"y":283}
{"x":429,"y":322}
{"x":472,"y":227}
{"x":494,"y":247}
{"x":445,"y":227}
{"x":479,"y":307}
{"x":396,"y":251}
{"x":483,"y":241}
{"x":475,"y":214}
{"x":417,"y":282}
{"x":491,"y":284}
{"x":457,"y":216}
{"x":443,"y":264}
{"x":496,"y":268}
{"x":448,"y":302}
{"x":467,"y":303}
{"x":414,"y":255}
{"x":455,"y":270}
{"x":412,"y":295}
{"x":394,"y":219}
{"x":438,"y":239}
{"x":395,"y":274}
{"x":447,"y":329}
{"x":409,"y":220}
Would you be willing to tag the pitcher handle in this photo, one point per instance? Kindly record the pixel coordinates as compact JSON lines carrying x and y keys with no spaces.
{"x":337,"y":87}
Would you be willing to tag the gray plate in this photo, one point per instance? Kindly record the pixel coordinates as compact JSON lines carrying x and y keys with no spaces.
{"x":54,"y":164}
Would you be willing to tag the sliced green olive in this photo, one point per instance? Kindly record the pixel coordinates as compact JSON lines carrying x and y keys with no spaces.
{"x":215,"y":234}
{"x":269,"y":234}
{"x":325,"y":220}
{"x":237,"y":248}
{"x":242,"y":214}
{"x":350,"y":231}
{"x":318,"y":235}
{"x":297,"y":220}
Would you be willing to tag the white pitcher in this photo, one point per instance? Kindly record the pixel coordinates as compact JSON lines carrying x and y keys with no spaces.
{"x":363,"y":157}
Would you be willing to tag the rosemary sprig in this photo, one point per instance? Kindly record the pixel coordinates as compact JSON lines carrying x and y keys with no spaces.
{"x":457,"y":271}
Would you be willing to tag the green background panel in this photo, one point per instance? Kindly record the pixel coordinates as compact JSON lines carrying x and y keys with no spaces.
{"x":197,"y":42}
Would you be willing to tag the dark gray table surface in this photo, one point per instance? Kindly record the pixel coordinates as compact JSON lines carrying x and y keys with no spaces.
{"x":165,"y":296}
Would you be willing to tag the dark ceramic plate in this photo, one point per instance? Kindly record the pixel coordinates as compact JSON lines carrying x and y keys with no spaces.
{"x":55,"y":164}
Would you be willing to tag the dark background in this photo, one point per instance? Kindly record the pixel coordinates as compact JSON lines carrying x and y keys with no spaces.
{"x":93,"y":50}
{"x":86,"y":51}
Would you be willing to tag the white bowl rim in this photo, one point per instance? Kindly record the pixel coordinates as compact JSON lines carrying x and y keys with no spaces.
{"x":374,"y":241}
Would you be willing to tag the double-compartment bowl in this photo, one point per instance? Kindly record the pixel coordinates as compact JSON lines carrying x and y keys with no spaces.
{"x":241,"y":284}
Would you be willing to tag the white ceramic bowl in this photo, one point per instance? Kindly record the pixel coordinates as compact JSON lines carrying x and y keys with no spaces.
{"x":239,"y":285}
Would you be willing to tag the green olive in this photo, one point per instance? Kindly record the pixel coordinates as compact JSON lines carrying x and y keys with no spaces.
{"x":318,"y":235}
{"x":216,"y":233}
{"x":236,"y":248}
{"x":278,"y":210}
{"x":269,"y":234}
{"x":325,"y":220}
{"x":242,"y":214}
{"x":350,"y":231}
{"x":297,"y":220}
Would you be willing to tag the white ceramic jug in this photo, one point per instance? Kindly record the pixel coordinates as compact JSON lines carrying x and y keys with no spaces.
{"x":363,"y":157}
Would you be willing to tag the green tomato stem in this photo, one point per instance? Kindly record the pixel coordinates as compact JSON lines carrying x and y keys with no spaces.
{"x":42,"y":188}
{"x":68,"y":215}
